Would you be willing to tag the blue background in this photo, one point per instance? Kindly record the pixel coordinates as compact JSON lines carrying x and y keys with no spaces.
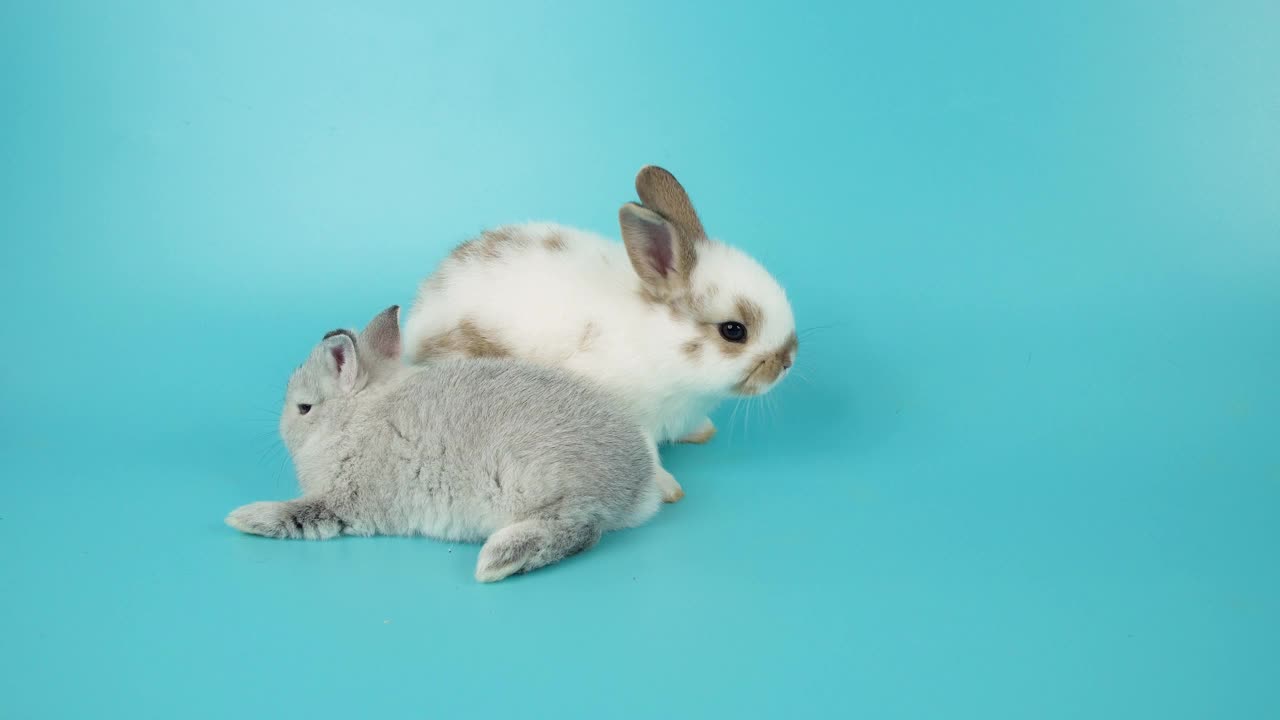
{"x":1031,"y":470}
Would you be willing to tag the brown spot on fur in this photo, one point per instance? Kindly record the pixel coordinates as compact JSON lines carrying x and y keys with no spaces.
{"x":479,"y":344}
{"x":790,"y":347}
{"x":553,"y":242}
{"x":488,"y":245}
{"x":769,"y":367}
{"x":693,"y":348}
{"x":466,"y":340}
{"x":431,"y":347}
{"x":749,"y":314}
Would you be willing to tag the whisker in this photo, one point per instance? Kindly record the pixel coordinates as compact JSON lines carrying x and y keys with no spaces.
{"x":267,"y":454}
{"x":814,"y":328}
{"x":284,"y":458}
{"x":732,"y":427}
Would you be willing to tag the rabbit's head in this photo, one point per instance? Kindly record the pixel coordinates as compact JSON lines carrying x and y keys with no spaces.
{"x":337,"y":370}
{"x":742,"y":335}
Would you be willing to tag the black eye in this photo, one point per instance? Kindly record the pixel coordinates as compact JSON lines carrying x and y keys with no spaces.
{"x":303,"y":408}
{"x":734,"y":332}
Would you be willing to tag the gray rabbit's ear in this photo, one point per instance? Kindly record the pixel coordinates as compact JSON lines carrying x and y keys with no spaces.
{"x":660,"y":256}
{"x":382,"y":334}
{"x":340,"y":359}
{"x":661,"y":192}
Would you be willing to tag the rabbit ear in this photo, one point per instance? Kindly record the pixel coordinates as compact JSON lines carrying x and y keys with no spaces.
{"x":340,"y":359}
{"x":661,"y":258}
{"x":661,"y":192}
{"x":382,"y":334}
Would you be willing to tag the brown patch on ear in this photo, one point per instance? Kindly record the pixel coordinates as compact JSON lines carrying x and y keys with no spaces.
{"x":660,"y":191}
{"x":661,"y":258}
{"x":467,"y":340}
{"x":553,"y":242}
{"x":688,"y":259}
{"x":488,"y":245}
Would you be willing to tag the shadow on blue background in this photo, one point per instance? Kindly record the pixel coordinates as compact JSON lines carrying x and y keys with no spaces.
{"x":1031,"y":469}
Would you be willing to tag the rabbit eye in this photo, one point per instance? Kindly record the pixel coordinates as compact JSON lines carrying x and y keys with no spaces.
{"x":303,"y":408}
{"x":734,"y":332}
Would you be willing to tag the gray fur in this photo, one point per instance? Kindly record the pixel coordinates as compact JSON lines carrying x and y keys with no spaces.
{"x":535,"y":460}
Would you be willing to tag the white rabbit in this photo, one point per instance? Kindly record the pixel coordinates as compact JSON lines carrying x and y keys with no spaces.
{"x":538,"y":461}
{"x":669,"y":320}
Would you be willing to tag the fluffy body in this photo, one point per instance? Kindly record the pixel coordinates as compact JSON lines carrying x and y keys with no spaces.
{"x":640,"y":317}
{"x":537,"y":462}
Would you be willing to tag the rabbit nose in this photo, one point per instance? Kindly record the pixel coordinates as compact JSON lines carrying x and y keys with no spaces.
{"x":786,"y":363}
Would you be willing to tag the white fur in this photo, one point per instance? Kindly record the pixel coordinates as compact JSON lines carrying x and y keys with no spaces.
{"x":538,"y":301}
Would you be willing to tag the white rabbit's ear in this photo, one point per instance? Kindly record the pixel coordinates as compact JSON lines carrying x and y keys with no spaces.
{"x":382,"y":334}
{"x":661,"y":192}
{"x":661,"y":258}
{"x":340,"y":359}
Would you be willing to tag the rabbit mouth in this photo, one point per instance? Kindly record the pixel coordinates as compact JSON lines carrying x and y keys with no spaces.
{"x":766,"y":373}
{"x":761,"y":378}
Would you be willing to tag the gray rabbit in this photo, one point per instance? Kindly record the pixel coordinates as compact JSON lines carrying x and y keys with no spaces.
{"x":535,"y":460}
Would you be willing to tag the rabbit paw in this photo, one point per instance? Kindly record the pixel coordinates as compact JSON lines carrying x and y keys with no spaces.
{"x":671,"y":490}
{"x":705,"y":431}
{"x":298,"y":519}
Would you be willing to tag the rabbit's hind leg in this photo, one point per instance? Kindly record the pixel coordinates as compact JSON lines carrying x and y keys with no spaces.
{"x":531,"y":544}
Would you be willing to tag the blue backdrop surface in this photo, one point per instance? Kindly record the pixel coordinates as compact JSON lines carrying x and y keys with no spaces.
{"x":1031,"y":468}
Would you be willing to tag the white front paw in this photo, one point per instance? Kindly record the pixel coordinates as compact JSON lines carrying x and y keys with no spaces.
{"x":671,"y":490}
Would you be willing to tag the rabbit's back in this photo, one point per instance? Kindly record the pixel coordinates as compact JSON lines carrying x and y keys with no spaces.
{"x":489,"y":440}
{"x":527,"y":291}
{"x":562,"y":298}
